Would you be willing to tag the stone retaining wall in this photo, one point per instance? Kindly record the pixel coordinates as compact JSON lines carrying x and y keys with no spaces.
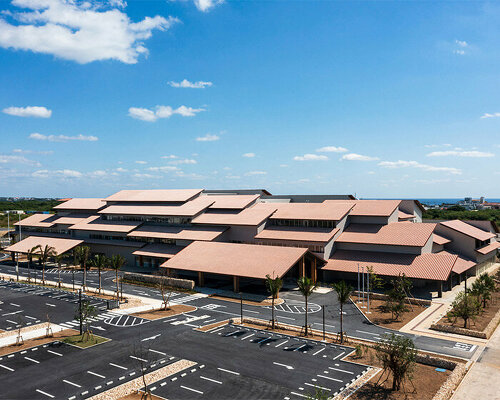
{"x":458,"y":331}
{"x":490,"y":328}
{"x":449,"y":386}
{"x":154,"y":279}
{"x":436,"y":362}
{"x":380,"y":296}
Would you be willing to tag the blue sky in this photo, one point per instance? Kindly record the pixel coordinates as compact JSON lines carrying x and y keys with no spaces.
{"x":380,"y":99}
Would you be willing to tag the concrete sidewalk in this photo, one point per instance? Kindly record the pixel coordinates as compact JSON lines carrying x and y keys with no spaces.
{"x":482,"y":380}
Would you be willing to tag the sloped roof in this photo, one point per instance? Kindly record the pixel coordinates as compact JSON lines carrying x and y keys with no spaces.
{"x":156,"y":195}
{"x":234,"y":202}
{"x":432,"y":266}
{"x":489,"y":248}
{"x":370,"y":208}
{"x":326,"y":211}
{"x":37,"y":220}
{"x":60,"y":245}
{"x":468,"y":229}
{"x":158,"y":250}
{"x":297,"y":234}
{"x":244,"y":260}
{"x":95,"y":224}
{"x":90,"y":204}
{"x":438,"y":239}
{"x":177,"y":232}
{"x":251,"y":216}
{"x":396,"y":234}
{"x":402,"y":215}
{"x":188,"y":209}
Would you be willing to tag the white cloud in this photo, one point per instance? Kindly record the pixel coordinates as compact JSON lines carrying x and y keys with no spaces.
{"x":488,"y":115}
{"x":165,"y":168}
{"x":207,"y":5}
{"x":331,"y":149}
{"x":170,"y":157}
{"x":416,"y":164}
{"x":358,"y":157}
{"x":459,"y":153}
{"x":120,"y":169}
{"x":461,"y":43}
{"x":253,"y":173}
{"x":460,"y":47}
{"x":82,"y":31}
{"x":145,"y":176}
{"x":192,"y":85}
{"x":21,"y":151}
{"x":430,"y":146}
{"x":9,"y":159}
{"x":30,"y":111}
{"x":208,"y":138}
{"x":63,"y":138}
{"x":97,"y":174}
{"x":141,"y":162}
{"x":63,"y":173}
{"x":248,"y":155}
{"x":148,"y":115}
{"x":310,"y":157}
{"x":183,"y":161}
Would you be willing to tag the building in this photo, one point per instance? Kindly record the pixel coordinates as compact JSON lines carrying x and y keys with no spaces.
{"x":238,"y":237}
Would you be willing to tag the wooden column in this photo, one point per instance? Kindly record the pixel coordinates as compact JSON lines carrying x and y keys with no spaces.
{"x":302,"y":267}
{"x":201,"y":279}
{"x":314,"y":271}
{"x":236,"y":284}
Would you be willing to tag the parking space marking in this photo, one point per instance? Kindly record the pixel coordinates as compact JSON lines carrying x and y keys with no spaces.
{"x":278,"y":345}
{"x":7,"y":368}
{"x":341,"y":370}
{"x":159,"y":352}
{"x":32,"y":360}
{"x":319,"y":351}
{"x":15,"y":305}
{"x":193,"y":390}
{"x":117,"y":366}
{"x":298,"y":394}
{"x":139,"y":359}
{"x":45,"y":393}
{"x":210,"y":379}
{"x":228,"y":371}
{"x":340,"y":355}
{"x":317,"y":386}
{"x":54,"y":352}
{"x":246,"y":337}
{"x":98,"y":375}
{"x":71,"y":383}
{"x":332,"y":379}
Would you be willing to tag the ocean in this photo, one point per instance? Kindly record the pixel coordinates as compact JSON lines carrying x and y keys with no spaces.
{"x":444,"y":201}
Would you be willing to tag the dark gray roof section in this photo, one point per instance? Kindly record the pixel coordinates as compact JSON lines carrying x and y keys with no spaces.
{"x":308,"y":198}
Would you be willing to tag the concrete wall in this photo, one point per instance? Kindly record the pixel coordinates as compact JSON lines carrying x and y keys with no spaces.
{"x":244,"y":234}
{"x":410,"y":207}
{"x":460,"y":243}
{"x":380,"y":248}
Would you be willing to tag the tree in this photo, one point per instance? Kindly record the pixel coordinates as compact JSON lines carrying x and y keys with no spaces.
{"x":273,"y":286}
{"x":306,"y":287}
{"x":165,"y":290}
{"x":44,"y":253}
{"x":397,"y":295}
{"x":82,"y":255}
{"x":482,"y":288}
{"x":343,"y":294}
{"x":397,"y":355}
{"x":59,"y":259}
{"x":99,"y":261}
{"x":375,"y":281}
{"x":84,"y":312}
{"x":116,"y":262}
{"x":464,"y":306}
{"x":30,"y":253}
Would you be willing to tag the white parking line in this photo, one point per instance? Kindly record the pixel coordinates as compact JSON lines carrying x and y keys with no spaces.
{"x":117,"y":366}
{"x":139,"y":359}
{"x":319,"y":351}
{"x":210,"y":379}
{"x":226,"y":370}
{"x":340,"y":355}
{"x":53,"y":352}
{"x":341,"y":370}
{"x":298,"y":394}
{"x":15,"y":305}
{"x":281,"y":343}
{"x":45,"y":393}
{"x":332,"y":379}
{"x":71,"y":383}
{"x":193,"y":390}
{"x":50,"y":305}
{"x":98,"y":375}
{"x":298,"y":348}
{"x":246,"y":337}
{"x":317,"y":386}
{"x":3,"y":366}
{"x":30,"y":359}
{"x":217,"y":330}
{"x":159,"y":352}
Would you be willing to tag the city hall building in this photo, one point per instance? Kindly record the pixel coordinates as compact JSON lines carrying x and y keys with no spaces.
{"x":238,"y":237}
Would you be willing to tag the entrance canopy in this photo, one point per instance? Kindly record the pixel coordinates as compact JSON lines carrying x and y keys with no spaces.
{"x":239,"y":260}
{"x":60,"y":245}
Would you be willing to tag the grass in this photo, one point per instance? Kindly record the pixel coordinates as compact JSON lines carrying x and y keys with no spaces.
{"x":77,"y":340}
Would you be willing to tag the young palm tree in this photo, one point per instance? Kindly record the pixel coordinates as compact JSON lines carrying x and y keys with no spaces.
{"x":343,"y":293}
{"x":44,"y":253}
{"x":59,"y":259}
{"x":99,"y":261}
{"x":306,"y":287}
{"x":82,"y":255}
{"x":116,"y":262}
{"x":273,"y":286}
{"x":30,"y":254}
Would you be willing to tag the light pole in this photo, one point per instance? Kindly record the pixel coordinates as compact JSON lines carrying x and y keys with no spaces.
{"x":80,"y":310}
{"x":324,"y":336}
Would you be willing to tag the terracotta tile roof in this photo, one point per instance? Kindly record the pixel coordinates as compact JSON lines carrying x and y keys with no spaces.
{"x":397,"y":234}
{"x":326,"y":211}
{"x":373,"y":208}
{"x":432,"y":266}
{"x":234,"y":202}
{"x":188,"y":209}
{"x":158,"y":250}
{"x":252,"y":216}
{"x":440,"y":239}
{"x":161,"y":195}
{"x":244,"y":260}
{"x":297,"y":234}
{"x":95,"y":224}
{"x":404,"y":216}
{"x":81,"y":204}
{"x":468,"y":229}
{"x":489,"y":248}
{"x":60,"y":245}
{"x":37,"y":220}
{"x":176,"y":232}
{"x":69,"y":220}
{"x":462,"y":264}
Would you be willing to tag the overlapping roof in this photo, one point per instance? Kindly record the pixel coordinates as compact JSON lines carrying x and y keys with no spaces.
{"x":468,"y":229}
{"x":244,"y":260}
{"x":404,"y":216}
{"x":432,"y":266}
{"x":95,"y":224}
{"x":438,"y":239}
{"x":233,"y":202}
{"x":37,"y":220}
{"x":489,"y":248}
{"x":60,"y":245}
{"x":326,"y":211}
{"x":396,"y":234}
{"x":251,"y":216}
{"x":188,"y":209}
{"x":297,"y":234}
{"x":89,"y":204}
{"x":156,"y":195}
{"x":177,"y":232}
{"x":370,"y":208}
{"x":158,"y":250}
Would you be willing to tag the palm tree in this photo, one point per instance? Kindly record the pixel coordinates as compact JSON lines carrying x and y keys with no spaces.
{"x":343,"y":294}
{"x":99,"y":261}
{"x":59,"y":259}
{"x":306,"y":287}
{"x":82,"y":255}
{"x":30,"y":253}
{"x":116,"y":262}
{"x":44,"y":253}
{"x":273,"y":286}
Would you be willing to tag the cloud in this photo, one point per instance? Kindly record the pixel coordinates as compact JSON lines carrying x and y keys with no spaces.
{"x":460,"y":47}
{"x":21,"y":151}
{"x":183,"y":161}
{"x":253,"y":173}
{"x":331,"y":149}
{"x":82,"y":31}
{"x":63,"y":138}
{"x":208,"y":138}
{"x":207,"y":5}
{"x":192,"y":85}
{"x":30,"y":111}
{"x":148,"y":115}
{"x":488,"y":115}
{"x":120,"y":169}
{"x":416,"y":164}
{"x":358,"y":157}
{"x":430,"y":146}
{"x":63,"y":173}
{"x":170,"y":157}
{"x":145,"y":176}
{"x":310,"y":157}
{"x":165,"y":168}
{"x":461,"y":43}
{"x":9,"y":159}
{"x":141,"y":162}
{"x":455,"y":153}
{"x":248,"y":155}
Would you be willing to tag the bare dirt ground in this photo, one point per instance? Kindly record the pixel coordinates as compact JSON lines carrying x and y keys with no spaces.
{"x":37,"y":341}
{"x":380,"y":317}
{"x":426,"y":382}
{"x":158,"y":314}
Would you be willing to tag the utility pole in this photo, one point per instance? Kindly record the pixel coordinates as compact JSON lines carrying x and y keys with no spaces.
{"x":73,"y":277}
{"x":121,"y":287}
{"x":363,"y":278}
{"x":368,"y":290}
{"x":80,"y":308}
{"x":8,"y":224}
{"x":324,"y":337}
{"x":241,"y":309}
{"x":359,"y":293}
{"x":17,"y":266}
{"x":20,"y":234}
